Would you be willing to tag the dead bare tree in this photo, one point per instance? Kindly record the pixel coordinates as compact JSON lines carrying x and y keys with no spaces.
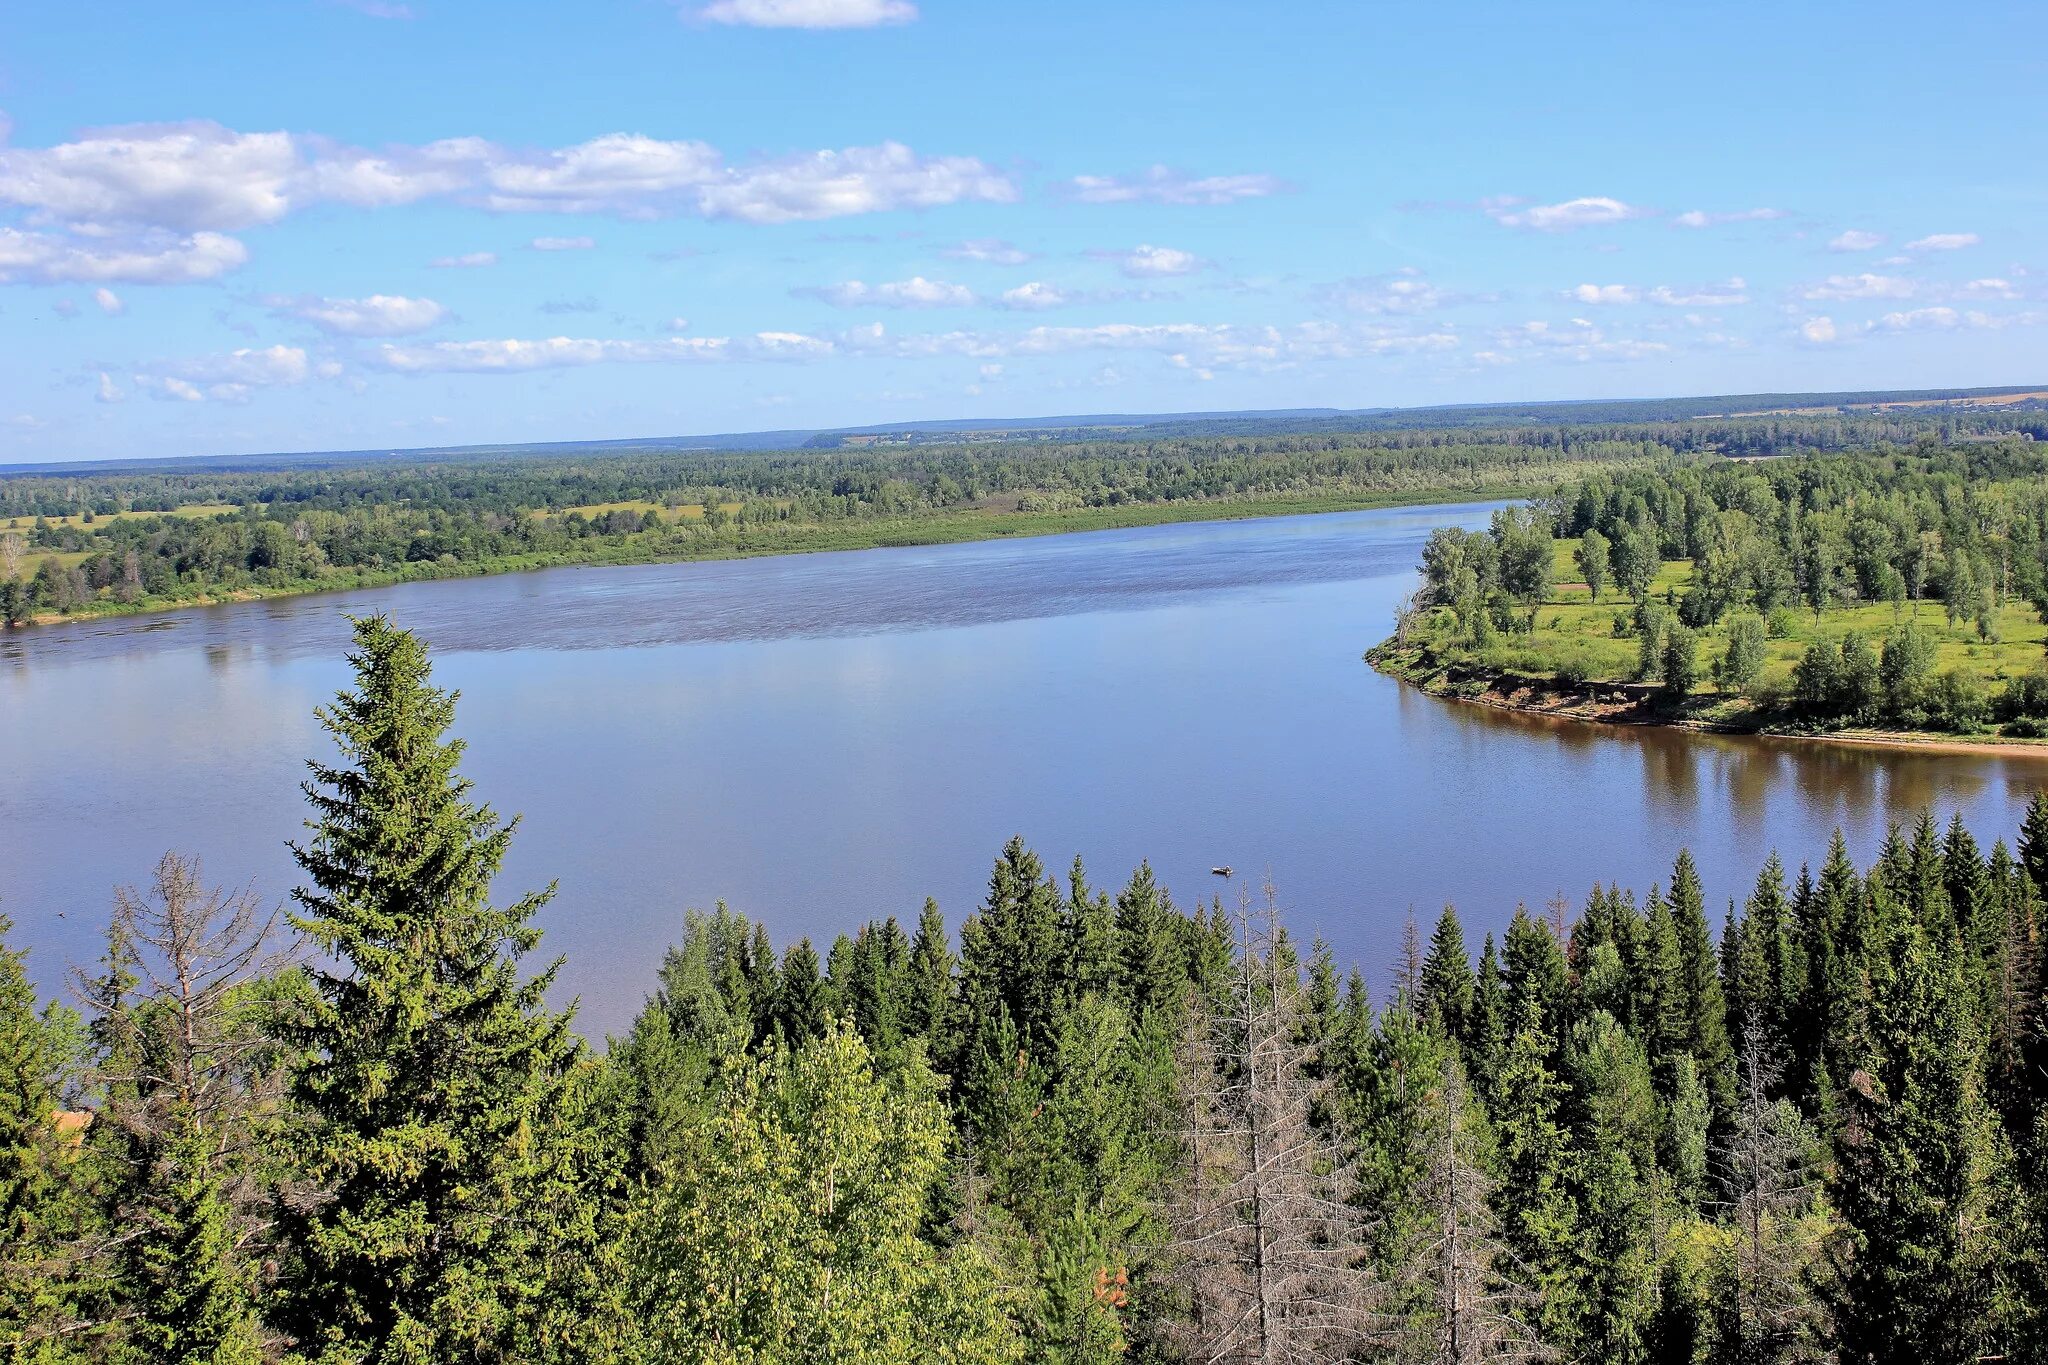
{"x":11,"y":548}
{"x":191,"y":1078}
{"x":1473,"y":1308}
{"x":1274,"y":1263}
{"x":1765,"y":1169}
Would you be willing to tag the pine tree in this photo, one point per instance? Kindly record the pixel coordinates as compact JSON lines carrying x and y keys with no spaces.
{"x":1093,"y":963}
{"x":1538,"y":1221}
{"x":1705,"y":1007}
{"x":43,"y":1207}
{"x":1446,"y":994}
{"x":1014,"y":951}
{"x":1612,"y":1117}
{"x":2034,"y":844}
{"x":804,"y":1004}
{"x":430,"y":1065}
{"x":1918,"y":1163}
{"x":930,"y":1011}
{"x":1153,"y":971}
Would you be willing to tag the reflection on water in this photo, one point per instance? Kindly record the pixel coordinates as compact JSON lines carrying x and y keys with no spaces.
{"x":825,"y":738}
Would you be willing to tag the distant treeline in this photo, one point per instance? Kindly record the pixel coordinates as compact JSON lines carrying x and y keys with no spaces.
{"x":1094,"y":1128}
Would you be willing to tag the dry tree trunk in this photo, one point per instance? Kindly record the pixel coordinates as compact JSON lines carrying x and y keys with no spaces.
{"x":1275,"y":1264}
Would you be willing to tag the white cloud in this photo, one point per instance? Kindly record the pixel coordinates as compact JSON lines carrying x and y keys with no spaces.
{"x":1403,"y":291}
{"x":1991,"y":289}
{"x":512,"y":355}
{"x":564,"y":243}
{"x":149,"y":258}
{"x":1596,"y":211}
{"x":1152,"y":262}
{"x":1818,"y":331}
{"x":231,"y":377}
{"x":1918,"y":320}
{"x":109,"y":391}
{"x":915,"y":292}
{"x":377,"y":9}
{"x":379,"y":315}
{"x":1728,"y":295}
{"x":203,"y":177}
{"x":1037,"y":294}
{"x":856,"y":180}
{"x":109,"y":302}
{"x":1944,"y":241}
{"x":990,"y":250}
{"x":1160,"y":185}
{"x":809,"y":13}
{"x":187,"y":177}
{"x":1856,"y":239}
{"x":1605,"y":293}
{"x":1863,"y":286}
{"x":467,"y":261}
{"x":1699,"y":218}
{"x":1575,"y":339}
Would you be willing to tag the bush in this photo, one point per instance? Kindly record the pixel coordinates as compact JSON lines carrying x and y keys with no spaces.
{"x":1957,"y":703}
{"x":2026,"y":727}
{"x":2024,"y":697}
{"x":1781,"y":623}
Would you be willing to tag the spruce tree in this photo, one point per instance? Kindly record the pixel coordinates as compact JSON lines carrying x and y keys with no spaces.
{"x":1446,"y":994}
{"x":1705,"y":1007}
{"x":431,"y":1066}
{"x":2033,"y":845}
{"x":929,"y":1010}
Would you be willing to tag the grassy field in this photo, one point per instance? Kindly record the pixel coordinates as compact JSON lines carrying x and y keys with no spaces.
{"x":1577,"y":638}
{"x":195,"y":509}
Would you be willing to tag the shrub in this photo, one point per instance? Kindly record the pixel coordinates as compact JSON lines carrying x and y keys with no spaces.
{"x":2024,"y":696}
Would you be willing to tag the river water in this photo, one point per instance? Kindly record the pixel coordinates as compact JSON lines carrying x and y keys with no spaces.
{"x":822,"y":739}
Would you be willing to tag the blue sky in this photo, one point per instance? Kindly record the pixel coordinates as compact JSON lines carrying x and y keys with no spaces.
{"x":310,"y":224}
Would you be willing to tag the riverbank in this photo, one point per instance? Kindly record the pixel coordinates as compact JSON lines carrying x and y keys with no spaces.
{"x":1636,"y":704}
{"x":771,"y":539}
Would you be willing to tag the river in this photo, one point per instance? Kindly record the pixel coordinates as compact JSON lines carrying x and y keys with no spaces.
{"x":822,"y":739}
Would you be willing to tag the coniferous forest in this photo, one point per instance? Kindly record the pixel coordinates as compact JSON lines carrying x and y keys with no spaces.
{"x":1096,"y":1125}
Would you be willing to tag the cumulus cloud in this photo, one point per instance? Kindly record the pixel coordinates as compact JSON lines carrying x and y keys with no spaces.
{"x":1856,"y":239}
{"x":1991,"y":289}
{"x":512,"y":355}
{"x":1918,"y":320}
{"x":1863,"y":286}
{"x":203,"y":177}
{"x":1403,"y":291}
{"x":108,"y":391}
{"x":1944,"y":241}
{"x":146,"y":258}
{"x":989,"y":250}
{"x":470,"y":260}
{"x":1152,"y":262}
{"x":1161,"y":185}
{"x":379,"y":315}
{"x":1575,"y":339}
{"x":915,"y":292}
{"x":1818,"y":331}
{"x":1734,"y":291}
{"x":1699,"y":218}
{"x":109,"y":302}
{"x":564,"y":243}
{"x":809,"y":13}
{"x":1595,"y":211}
{"x":232,"y":376}
{"x":1037,"y":294}
{"x":1605,"y":293}
{"x":857,"y":180}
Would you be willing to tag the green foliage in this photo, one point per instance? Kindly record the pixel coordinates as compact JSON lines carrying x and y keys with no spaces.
{"x":429,"y":1065}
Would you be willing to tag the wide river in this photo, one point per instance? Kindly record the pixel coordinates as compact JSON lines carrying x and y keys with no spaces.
{"x":822,"y":739}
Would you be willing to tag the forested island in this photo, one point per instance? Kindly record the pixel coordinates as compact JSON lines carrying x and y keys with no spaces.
{"x":144,"y":536}
{"x":1896,"y":592}
{"x":1092,"y":1127}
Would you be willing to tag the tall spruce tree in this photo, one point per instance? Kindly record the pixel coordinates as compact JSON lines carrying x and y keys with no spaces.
{"x":431,"y":1064}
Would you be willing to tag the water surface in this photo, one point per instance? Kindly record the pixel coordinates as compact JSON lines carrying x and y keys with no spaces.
{"x":821,"y":739}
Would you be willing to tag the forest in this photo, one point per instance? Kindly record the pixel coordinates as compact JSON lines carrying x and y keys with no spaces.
{"x":1091,"y":1126}
{"x":1901,"y":590}
{"x":144,"y":536}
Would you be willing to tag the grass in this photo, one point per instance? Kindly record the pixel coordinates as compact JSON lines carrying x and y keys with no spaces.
{"x":193,"y":509}
{"x":1575,"y":640}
